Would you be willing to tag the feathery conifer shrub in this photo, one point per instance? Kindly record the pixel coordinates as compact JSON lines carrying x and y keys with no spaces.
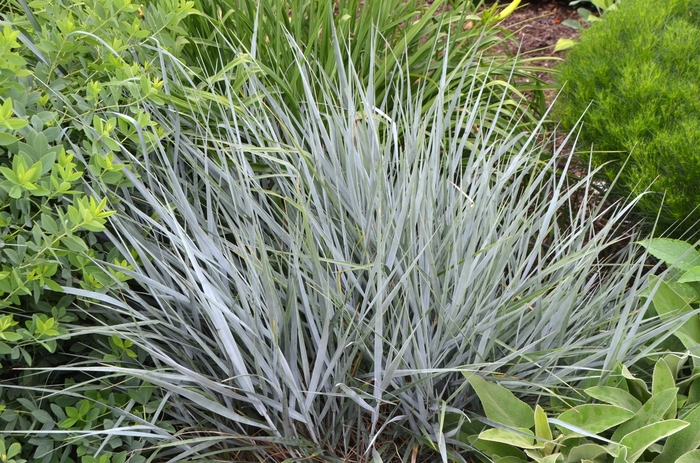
{"x":636,"y":76}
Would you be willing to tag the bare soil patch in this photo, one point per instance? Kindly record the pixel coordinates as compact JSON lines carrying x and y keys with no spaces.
{"x":538,"y":25}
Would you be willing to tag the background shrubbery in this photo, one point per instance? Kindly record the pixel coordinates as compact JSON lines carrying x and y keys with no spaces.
{"x":72,"y":77}
{"x":637,"y":70}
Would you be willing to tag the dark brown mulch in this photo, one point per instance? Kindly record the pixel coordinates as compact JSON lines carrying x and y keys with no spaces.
{"x":538,"y":25}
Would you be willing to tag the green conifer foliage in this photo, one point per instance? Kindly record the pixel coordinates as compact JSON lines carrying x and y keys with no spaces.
{"x":639,"y":71}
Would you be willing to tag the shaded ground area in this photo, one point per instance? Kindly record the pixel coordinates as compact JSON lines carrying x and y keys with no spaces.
{"x":539,"y":24}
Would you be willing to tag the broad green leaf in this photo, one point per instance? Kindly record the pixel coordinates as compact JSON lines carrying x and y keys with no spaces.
{"x":675,"y":363}
{"x":596,"y":418}
{"x":84,"y":408}
{"x":515,"y":439}
{"x":42,"y":416}
{"x":492,"y":449}
{"x":7,"y":139}
{"x":684,"y":441}
{"x":685,"y":290}
{"x":538,"y":458}
{"x":673,"y":252}
{"x":691,"y":457}
{"x":67,"y":423}
{"x":142,"y":395}
{"x":53,"y":286}
{"x":47,"y":162}
{"x":652,"y":411}
{"x":637,"y":441}
{"x":572,"y":23}
{"x":509,"y":459}
{"x":586,"y":452}
{"x":500,"y":405}
{"x":14,"y":449}
{"x":662,"y":377}
{"x":10,"y":336}
{"x":542,"y":429}
{"x":14,"y":124}
{"x":621,"y":455}
{"x":691,"y":275}
{"x":74,"y":243}
{"x":669,"y":303}
{"x":614,"y":396}
{"x":5,"y":349}
{"x":603,"y":4}
{"x":72,"y":412}
{"x":9,"y":174}
{"x":6,"y":110}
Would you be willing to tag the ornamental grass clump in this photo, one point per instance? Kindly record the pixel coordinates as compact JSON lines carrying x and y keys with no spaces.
{"x":309,"y":284}
{"x":636,"y":77}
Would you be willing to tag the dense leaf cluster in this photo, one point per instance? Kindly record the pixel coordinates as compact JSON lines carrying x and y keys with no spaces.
{"x":635,"y":81}
{"x":71,"y":79}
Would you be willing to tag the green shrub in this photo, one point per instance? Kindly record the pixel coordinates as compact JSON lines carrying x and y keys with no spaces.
{"x":637,"y":70}
{"x":72,"y":79}
{"x":632,"y":423}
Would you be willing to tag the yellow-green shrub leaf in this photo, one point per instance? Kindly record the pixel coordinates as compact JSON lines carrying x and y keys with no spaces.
{"x":500,"y":405}
{"x":596,"y":418}
{"x":74,"y":243}
{"x":691,"y":457}
{"x":7,"y":139}
{"x":691,"y":275}
{"x":493,"y":449}
{"x":564,"y":44}
{"x":554,"y":458}
{"x":669,"y":303}
{"x":526,"y":440}
{"x":637,"y":441}
{"x":614,"y":396}
{"x":587,"y":452}
{"x":662,"y":377}
{"x":673,"y":252}
{"x":684,"y":441}
{"x":636,"y":386}
{"x":10,"y":336}
{"x":542,"y":430}
{"x":5,"y":349}
{"x":651,"y":412}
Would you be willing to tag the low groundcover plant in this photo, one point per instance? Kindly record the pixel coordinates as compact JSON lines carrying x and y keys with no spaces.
{"x":630,"y":424}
